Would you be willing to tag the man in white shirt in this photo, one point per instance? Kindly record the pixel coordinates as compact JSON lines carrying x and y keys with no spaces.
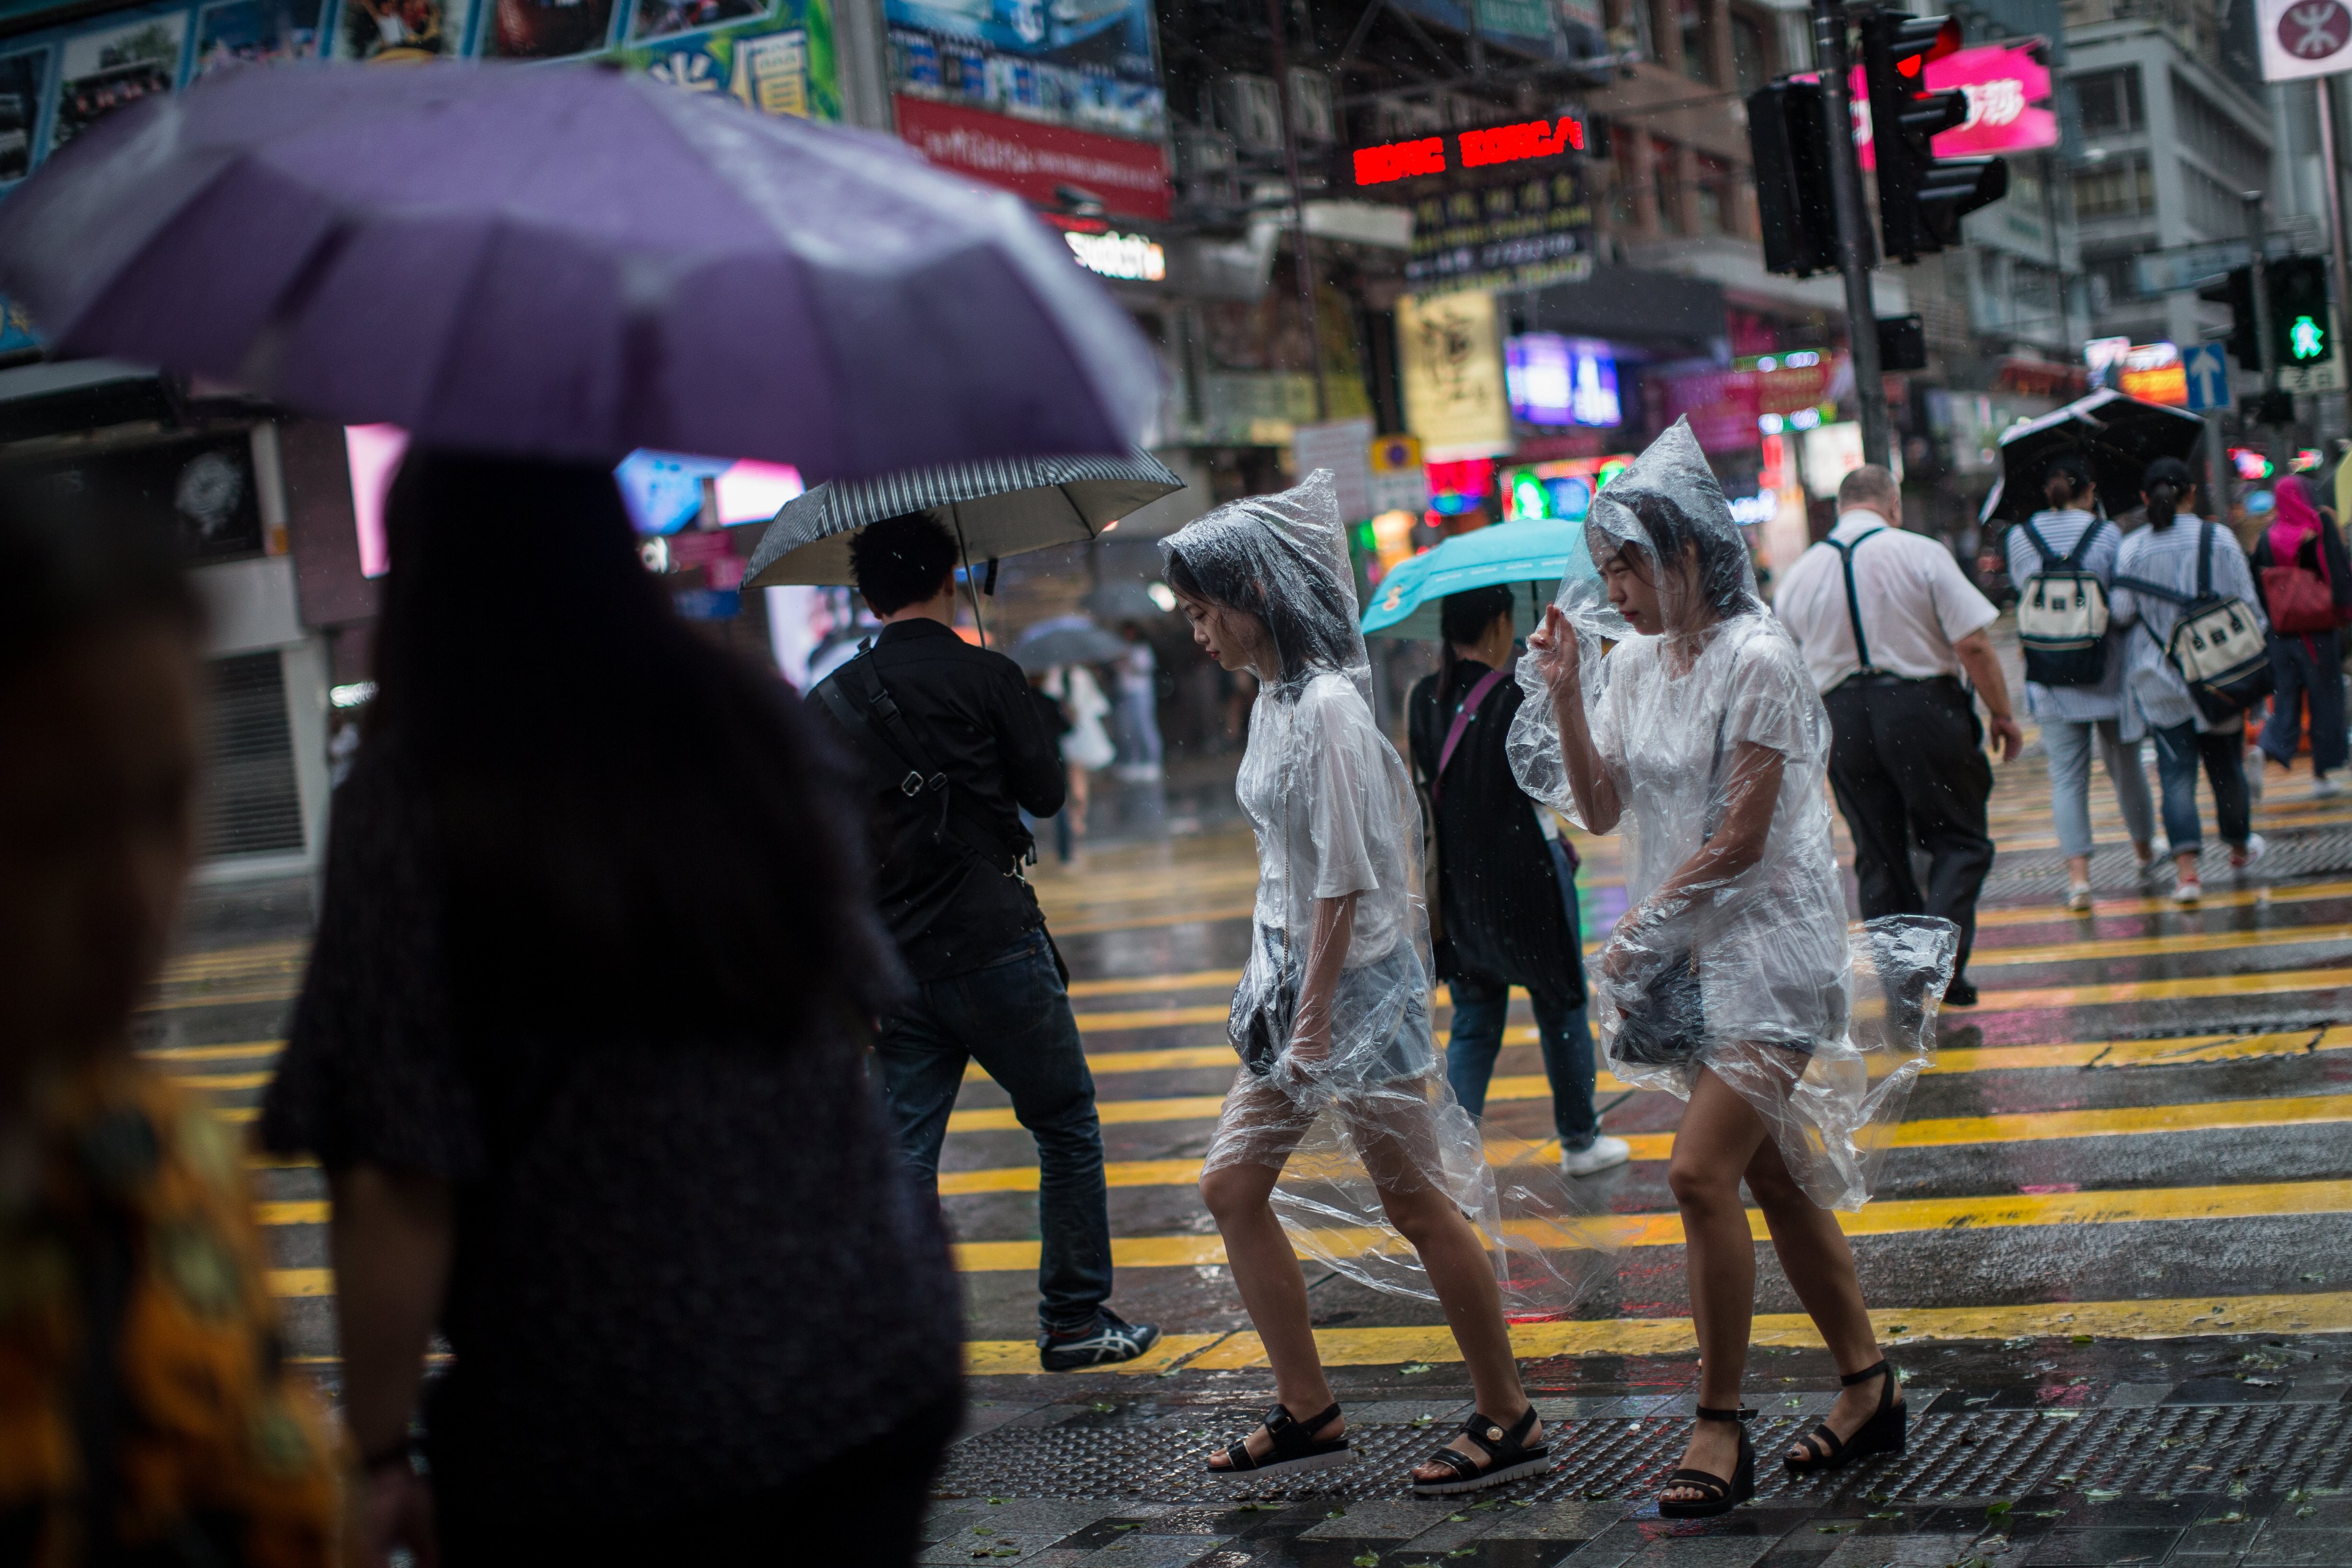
{"x":1887,"y":625}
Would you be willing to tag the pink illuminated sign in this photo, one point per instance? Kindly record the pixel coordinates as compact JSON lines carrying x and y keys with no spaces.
{"x":2002,"y":81}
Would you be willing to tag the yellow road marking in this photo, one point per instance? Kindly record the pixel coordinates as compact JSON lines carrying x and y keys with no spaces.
{"x":222,"y":1080}
{"x":243,"y":1052}
{"x":308,"y":1212}
{"x":2160,"y":946}
{"x":1199,"y":979}
{"x":2270,"y":983}
{"x":1893,"y":1217}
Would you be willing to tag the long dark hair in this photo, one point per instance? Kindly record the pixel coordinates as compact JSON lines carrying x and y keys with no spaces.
{"x":1314,"y":633}
{"x":2165,"y":483}
{"x":637,"y":831}
{"x":2066,"y":480}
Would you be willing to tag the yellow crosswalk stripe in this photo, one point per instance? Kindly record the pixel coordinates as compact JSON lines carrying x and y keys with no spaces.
{"x":2159,"y":946}
{"x":1934,"y":1133}
{"x":245,"y":1051}
{"x":1889,"y":1216}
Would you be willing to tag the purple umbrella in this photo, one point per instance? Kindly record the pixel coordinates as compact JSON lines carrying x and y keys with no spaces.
{"x":571,"y":262}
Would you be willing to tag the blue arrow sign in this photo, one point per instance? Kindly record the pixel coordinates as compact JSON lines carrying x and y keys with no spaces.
{"x":2209,"y":376}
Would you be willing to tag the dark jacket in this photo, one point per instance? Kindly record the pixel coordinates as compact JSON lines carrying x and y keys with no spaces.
{"x":1506,"y":918}
{"x":974,"y":713}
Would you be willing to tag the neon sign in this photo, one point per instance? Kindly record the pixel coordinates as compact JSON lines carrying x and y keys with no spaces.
{"x":1497,"y":144}
{"x":1128,"y":256}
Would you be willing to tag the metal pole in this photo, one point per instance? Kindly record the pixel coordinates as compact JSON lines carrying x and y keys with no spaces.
{"x":1830,"y":56}
{"x":2335,"y":220}
{"x":1302,"y":256}
{"x":2254,"y":201}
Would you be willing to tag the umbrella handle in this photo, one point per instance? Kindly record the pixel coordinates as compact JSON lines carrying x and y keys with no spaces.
{"x":971,"y":589}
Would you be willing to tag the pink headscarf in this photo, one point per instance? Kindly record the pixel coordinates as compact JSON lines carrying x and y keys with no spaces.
{"x":2298,"y":520}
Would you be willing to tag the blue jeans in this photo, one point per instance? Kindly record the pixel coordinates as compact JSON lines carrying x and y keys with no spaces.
{"x":1479,"y":1012}
{"x":2307,"y":665}
{"x":2067,"y":743}
{"x":2177,"y":752}
{"x":1013,"y":1018}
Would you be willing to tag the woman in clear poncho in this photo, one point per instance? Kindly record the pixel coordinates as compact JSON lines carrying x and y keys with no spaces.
{"x":1729,"y":980}
{"x":1339,"y":1079}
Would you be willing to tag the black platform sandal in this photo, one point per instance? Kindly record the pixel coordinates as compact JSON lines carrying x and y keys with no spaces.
{"x":1509,"y":1456}
{"x":1296,"y":1447}
{"x":1882,"y":1434}
{"x":1722,"y":1496}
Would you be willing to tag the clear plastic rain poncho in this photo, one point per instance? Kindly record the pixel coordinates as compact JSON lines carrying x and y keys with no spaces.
{"x":1341,"y":1087}
{"x":1733,"y":953}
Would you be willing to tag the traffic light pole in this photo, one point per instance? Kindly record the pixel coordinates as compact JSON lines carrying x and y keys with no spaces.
{"x":2254,"y":201}
{"x":1834,"y":64}
{"x":2326,"y":96}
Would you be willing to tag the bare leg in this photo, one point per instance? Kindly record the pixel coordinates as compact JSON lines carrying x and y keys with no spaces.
{"x":1265,"y":1270}
{"x":1718,"y":1138}
{"x":1819,"y":1265}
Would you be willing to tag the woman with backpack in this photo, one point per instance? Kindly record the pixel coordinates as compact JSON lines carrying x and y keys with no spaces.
{"x":2062,"y":561}
{"x":2305,"y":583}
{"x":2181,"y":566}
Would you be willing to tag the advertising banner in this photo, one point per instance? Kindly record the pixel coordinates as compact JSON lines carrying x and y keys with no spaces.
{"x":781,"y":62}
{"x":1090,"y":65}
{"x":2303,"y":37}
{"x":116,"y":64}
{"x":397,"y":30}
{"x":2001,"y":83}
{"x":1034,"y":160}
{"x":1501,"y":206}
{"x":1455,"y":399}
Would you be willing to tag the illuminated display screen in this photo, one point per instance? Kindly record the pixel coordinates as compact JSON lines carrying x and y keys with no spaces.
{"x":1562,"y":490}
{"x":1478,"y":149}
{"x":1553,"y":380}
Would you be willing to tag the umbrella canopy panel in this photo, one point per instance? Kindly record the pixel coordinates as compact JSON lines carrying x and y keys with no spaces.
{"x":571,"y":262}
{"x":1531,"y":557}
{"x":2120,"y":436}
{"x":1068,"y":639}
{"x":996,"y":508}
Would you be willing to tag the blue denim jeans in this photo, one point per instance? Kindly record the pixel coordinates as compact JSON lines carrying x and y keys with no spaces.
{"x":2067,"y":743}
{"x":1479,"y":1013}
{"x":1013,"y":1018}
{"x":2306,"y":669}
{"x":2178,"y":751}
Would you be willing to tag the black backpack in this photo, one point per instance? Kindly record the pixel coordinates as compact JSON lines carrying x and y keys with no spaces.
{"x":2062,"y":615}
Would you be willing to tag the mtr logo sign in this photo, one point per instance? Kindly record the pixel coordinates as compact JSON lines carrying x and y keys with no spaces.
{"x":1501,"y":144}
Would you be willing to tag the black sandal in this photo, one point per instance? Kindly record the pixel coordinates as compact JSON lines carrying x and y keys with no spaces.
{"x":1882,"y":1434}
{"x":1722,"y":1496}
{"x":1509,"y":1456}
{"x":1296,"y":1446}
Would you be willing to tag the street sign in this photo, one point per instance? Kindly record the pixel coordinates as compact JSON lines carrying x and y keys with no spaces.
{"x":1399,"y":481}
{"x":2182,"y":268}
{"x":2303,"y":37}
{"x":2209,"y":376}
{"x":2327,"y":375}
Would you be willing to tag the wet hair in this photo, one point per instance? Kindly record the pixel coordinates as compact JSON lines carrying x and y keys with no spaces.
{"x":578,"y":743}
{"x":1721,"y":554}
{"x":69,"y":566}
{"x":902,"y":561}
{"x":2066,"y":479}
{"x":1306,"y":636}
{"x":2165,"y":482}
{"x":1463,"y":618}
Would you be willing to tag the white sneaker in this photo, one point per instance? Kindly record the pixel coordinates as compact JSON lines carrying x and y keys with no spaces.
{"x":2325,"y":788}
{"x":2078,"y":898}
{"x":2187,"y":893}
{"x":1602,"y":1154}
{"x":2256,"y":845}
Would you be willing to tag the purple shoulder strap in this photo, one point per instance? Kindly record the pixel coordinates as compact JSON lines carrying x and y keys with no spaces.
{"x":1462,"y":717}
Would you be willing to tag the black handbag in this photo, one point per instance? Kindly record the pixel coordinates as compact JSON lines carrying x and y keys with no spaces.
{"x":1261,"y":1028}
{"x":1670,"y":1026}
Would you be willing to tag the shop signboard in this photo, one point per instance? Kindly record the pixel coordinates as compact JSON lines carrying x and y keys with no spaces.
{"x":1499,"y":207}
{"x":1035,"y":159}
{"x":1344,"y":447}
{"x":1455,"y":399}
{"x":2153,"y":372}
{"x":2001,"y":83}
{"x":1561,"y":490}
{"x":1086,"y":65}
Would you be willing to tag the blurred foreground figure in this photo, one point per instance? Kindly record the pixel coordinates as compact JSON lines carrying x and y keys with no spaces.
{"x":144,"y":1415}
{"x":1730,"y":979}
{"x":578,"y":1051}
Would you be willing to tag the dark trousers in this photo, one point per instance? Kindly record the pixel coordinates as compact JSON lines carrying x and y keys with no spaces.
{"x":2178,"y":751}
{"x":865,"y":1505}
{"x":2305,"y":665}
{"x":1480,"y":1010}
{"x":1907,"y":764}
{"x":1013,"y":1018}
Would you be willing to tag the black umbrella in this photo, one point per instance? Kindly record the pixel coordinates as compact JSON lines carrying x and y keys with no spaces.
{"x":2121,"y":436}
{"x":994,"y":509}
{"x":1068,"y":639}
{"x":1123,"y":599}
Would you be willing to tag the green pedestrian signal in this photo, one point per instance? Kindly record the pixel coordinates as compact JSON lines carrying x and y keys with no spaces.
{"x":2298,"y":310}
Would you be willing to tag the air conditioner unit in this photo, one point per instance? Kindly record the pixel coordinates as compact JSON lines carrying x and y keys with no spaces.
{"x":1249,"y":108}
{"x":1310,"y":106}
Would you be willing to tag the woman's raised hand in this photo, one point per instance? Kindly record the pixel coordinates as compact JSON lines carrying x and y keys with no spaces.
{"x":1558,"y":657}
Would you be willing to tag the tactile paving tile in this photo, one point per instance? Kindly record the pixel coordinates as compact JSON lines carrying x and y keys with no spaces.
{"x":2170,"y":1449}
{"x":2040,"y":874}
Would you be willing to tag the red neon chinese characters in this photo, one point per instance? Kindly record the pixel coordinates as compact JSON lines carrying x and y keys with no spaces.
{"x":1510,"y":143}
{"x":1400,"y":160}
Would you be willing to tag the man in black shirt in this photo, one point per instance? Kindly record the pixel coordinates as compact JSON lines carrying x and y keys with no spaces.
{"x":955,"y":749}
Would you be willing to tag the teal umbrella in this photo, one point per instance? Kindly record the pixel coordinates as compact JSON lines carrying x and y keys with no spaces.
{"x":1534,"y":554}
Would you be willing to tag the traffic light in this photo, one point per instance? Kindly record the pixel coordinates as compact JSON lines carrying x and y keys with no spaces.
{"x":1921,"y":198}
{"x":2237,"y":291}
{"x":1787,"y":136}
{"x":2299,"y":319}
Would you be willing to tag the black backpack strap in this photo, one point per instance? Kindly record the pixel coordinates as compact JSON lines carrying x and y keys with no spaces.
{"x":2072,"y":560}
{"x":856,"y":697}
{"x":1852,"y":600}
{"x":2204,"y":561}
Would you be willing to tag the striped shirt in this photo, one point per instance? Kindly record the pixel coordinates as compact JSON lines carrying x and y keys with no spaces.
{"x":2061,"y":530}
{"x":2168,"y":558}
